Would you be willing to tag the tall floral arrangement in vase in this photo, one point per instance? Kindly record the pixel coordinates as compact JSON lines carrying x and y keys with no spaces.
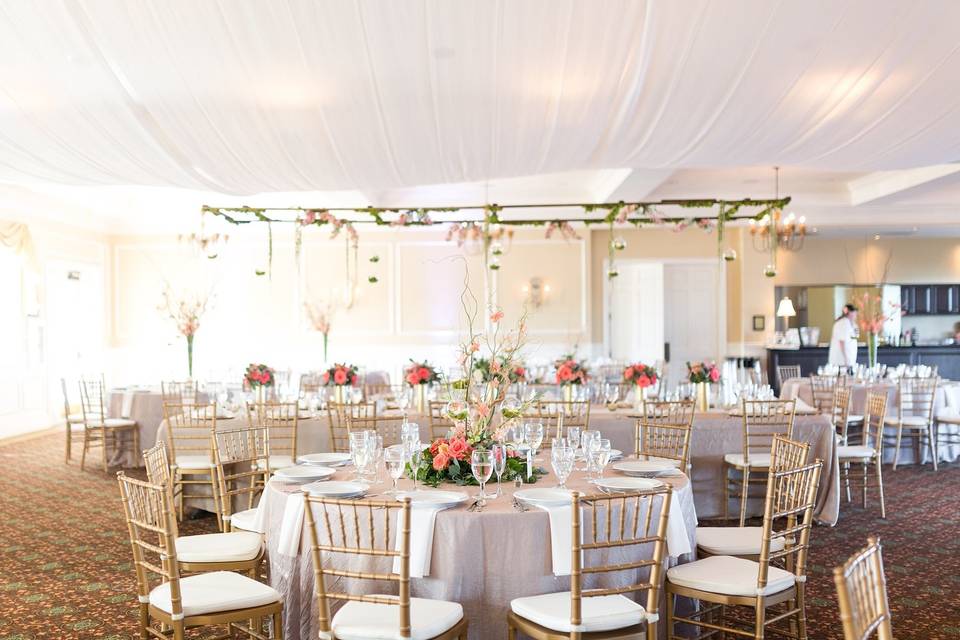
{"x":186,"y":311}
{"x":320,"y":316}
{"x":871,"y":319}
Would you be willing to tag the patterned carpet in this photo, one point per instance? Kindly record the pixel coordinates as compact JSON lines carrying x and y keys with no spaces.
{"x":65,"y":569}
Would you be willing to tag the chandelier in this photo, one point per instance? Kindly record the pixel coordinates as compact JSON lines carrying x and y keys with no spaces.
{"x":774,"y":231}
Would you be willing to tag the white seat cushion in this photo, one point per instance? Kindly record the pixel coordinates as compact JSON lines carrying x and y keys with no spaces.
{"x":950,"y":416}
{"x":119,"y":422}
{"x":853,"y":419}
{"x":857,"y":451}
{"x":729,"y":576}
{"x":600,"y":613}
{"x":186,"y":461}
{"x":734,"y":541}
{"x":759,"y":460}
{"x":908,"y":421}
{"x":368,"y":621}
{"x":278,"y":462}
{"x":75,"y":417}
{"x":245,"y":520}
{"x":219,"y":547}
{"x":214,"y":592}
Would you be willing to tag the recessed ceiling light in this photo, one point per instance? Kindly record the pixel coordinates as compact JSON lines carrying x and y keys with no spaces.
{"x":876,"y":237}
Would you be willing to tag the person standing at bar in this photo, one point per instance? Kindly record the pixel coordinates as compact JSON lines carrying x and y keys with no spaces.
{"x":843,"y":340}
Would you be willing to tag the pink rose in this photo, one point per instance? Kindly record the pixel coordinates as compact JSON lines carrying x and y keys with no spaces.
{"x":424,"y":373}
{"x":564,"y":373}
{"x":459,"y":448}
{"x":340,"y":377}
{"x":326,"y":377}
{"x":474,"y":347}
{"x":496,"y":316}
{"x":628,"y":373}
{"x":643,"y":381}
{"x":413,"y":378}
{"x":714,"y":374}
{"x":353,"y":380}
{"x":441,"y":461}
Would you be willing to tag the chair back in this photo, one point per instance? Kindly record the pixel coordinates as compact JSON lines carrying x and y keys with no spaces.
{"x":862,"y":593}
{"x":663,"y":431}
{"x":557,"y":415}
{"x":792,"y":485}
{"x":840,"y":410}
{"x":440,"y":424}
{"x":148,"y":510}
{"x":188,"y":429}
{"x":310,"y":384}
{"x":786,"y":372}
{"x":374,"y":390}
{"x":822,"y":387}
{"x":176,"y":392}
{"x":338,"y":419}
{"x":874,"y":415}
{"x":763,"y":420}
{"x":917,"y":397}
{"x":158,"y":471}
{"x":606,"y":527}
{"x":242,"y":458}
{"x":387,"y":427}
{"x":281,"y":419}
{"x":66,"y":398}
{"x":344,"y":530}
{"x":92,"y":402}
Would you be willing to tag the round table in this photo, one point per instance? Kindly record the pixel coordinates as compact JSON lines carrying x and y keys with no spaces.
{"x":482,"y":560}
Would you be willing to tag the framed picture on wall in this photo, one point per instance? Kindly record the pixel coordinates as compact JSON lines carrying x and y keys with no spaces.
{"x":759,"y":323}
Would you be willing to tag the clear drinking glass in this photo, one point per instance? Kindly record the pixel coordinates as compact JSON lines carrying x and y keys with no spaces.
{"x":499,"y":452}
{"x":359,"y":450}
{"x":600,"y":454}
{"x":562,"y":459}
{"x":395,"y":458}
{"x":533,"y":435}
{"x":573,"y":435}
{"x":410,"y":432}
{"x":481,"y":464}
{"x":588,"y":437}
{"x":414,"y":453}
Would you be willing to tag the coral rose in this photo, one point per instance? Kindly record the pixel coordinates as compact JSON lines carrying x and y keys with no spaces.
{"x":413,"y":378}
{"x":714,"y":374}
{"x":424,"y":373}
{"x":459,"y":448}
{"x":441,"y":461}
{"x":340,"y":377}
{"x":628,"y":373}
{"x":326,"y":377}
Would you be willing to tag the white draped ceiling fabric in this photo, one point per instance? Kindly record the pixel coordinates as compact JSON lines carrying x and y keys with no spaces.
{"x":247,"y":96}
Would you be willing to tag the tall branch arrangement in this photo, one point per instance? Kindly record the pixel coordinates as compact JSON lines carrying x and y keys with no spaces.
{"x":186,"y":312}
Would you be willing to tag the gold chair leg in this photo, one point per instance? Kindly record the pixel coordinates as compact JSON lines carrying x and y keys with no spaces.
{"x":178,"y":630}
{"x":144,"y":622}
{"x":883,"y":506}
{"x":931,"y":439}
{"x":745,"y":489}
{"x":83,"y":454}
{"x":896,"y":452}
{"x":66,"y":456}
{"x":761,"y":620}
{"x":846,"y":479}
{"x":511,"y":631}
{"x":103,"y":450}
{"x":726,"y":493}
{"x":802,"y":614}
{"x":278,"y":626}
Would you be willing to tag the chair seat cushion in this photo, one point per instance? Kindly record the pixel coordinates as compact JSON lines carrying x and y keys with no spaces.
{"x":75,"y":417}
{"x":729,"y":576}
{"x":908,"y":421}
{"x":599,"y":613}
{"x":855,"y":451}
{"x":214,"y":592}
{"x":219,"y":547}
{"x":245,"y":520}
{"x":112,"y":423}
{"x":369,"y":621}
{"x":950,"y":416}
{"x":278,"y":462}
{"x":734,"y":541}
{"x":759,"y":460}
{"x":854,"y":419}
{"x":187,"y":461}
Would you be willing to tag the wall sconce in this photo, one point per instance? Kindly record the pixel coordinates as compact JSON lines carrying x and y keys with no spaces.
{"x":536,"y":292}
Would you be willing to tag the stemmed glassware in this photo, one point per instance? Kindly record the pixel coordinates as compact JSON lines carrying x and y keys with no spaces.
{"x":481,"y":464}
{"x":533,"y":435}
{"x":588,"y":438}
{"x":562,"y":457}
{"x":499,"y":452}
{"x":403,"y":403}
{"x":395,"y":458}
{"x":410,"y":438}
{"x":600,"y":456}
{"x":359,"y":451}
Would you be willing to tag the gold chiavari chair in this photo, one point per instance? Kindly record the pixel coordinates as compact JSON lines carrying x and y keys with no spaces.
{"x":98,"y":429}
{"x":914,"y":417}
{"x":242,"y":458}
{"x":862,"y":594}
{"x":610,"y":525}
{"x":787,"y":372}
{"x":440,"y":425}
{"x":840,"y":413}
{"x":177,"y":392}
{"x":310,"y":384}
{"x":387,"y":427}
{"x":822,"y":387}
{"x":238,"y":551}
{"x":281,"y":419}
{"x":189,"y":428}
{"x":338,"y":419}
{"x":73,"y":422}
{"x":776,"y":581}
{"x":350,"y":532}
{"x":663,"y":431}
{"x":867,"y":452}
{"x":179,"y":603}
{"x":745,"y":542}
{"x":557,"y":415}
{"x":762,"y":421}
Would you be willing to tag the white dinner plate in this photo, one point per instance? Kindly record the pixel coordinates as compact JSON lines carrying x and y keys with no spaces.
{"x":646,"y":467}
{"x":336,"y":489}
{"x":325,"y":459}
{"x":627,"y":484}
{"x":304,"y":473}
{"x":544,"y":497}
{"x":434,"y":498}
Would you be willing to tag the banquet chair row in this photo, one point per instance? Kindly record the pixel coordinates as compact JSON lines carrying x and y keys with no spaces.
{"x":663,"y":432}
{"x":99,"y":430}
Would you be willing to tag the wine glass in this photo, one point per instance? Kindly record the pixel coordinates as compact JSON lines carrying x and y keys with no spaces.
{"x":533,"y":435}
{"x":395,"y":458}
{"x":403,"y":402}
{"x":414,"y":454}
{"x":588,"y":438}
{"x":359,"y":450}
{"x":573,"y":435}
{"x":600,"y":454}
{"x":410,"y":432}
{"x":499,"y":452}
{"x":561,"y":458}
{"x":481,"y":464}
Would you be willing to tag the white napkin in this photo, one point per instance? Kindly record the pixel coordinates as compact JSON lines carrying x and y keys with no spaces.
{"x":801,"y":406}
{"x":678,"y":543}
{"x":127,"y":406}
{"x":260,"y":516}
{"x":561,"y":540}
{"x":288,"y":542}
{"x":422,"y":519}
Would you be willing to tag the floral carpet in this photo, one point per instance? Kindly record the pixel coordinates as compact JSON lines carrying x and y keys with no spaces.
{"x":66,"y":571}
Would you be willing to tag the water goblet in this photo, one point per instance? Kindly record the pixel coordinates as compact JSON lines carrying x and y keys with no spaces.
{"x":600,"y":456}
{"x":573,"y":435}
{"x":395,"y":458}
{"x":358,"y":450}
{"x":562,"y":459}
{"x":414,"y":454}
{"x":533,"y":435}
{"x":588,"y":437}
{"x":481,"y":465}
{"x":499,"y":452}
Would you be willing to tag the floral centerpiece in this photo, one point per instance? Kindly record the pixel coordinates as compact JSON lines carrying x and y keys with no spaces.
{"x":259,"y":377}
{"x":488,"y":369}
{"x":448,"y":460}
{"x":641,"y":376}
{"x":702,"y":374}
{"x":570,"y":371}
{"x":871,"y":319}
{"x":418,"y":376}
{"x":340,"y":376}
{"x":186,"y":313}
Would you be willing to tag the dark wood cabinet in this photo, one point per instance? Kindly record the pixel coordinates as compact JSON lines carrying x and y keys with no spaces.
{"x":930,"y":299}
{"x":946,"y":299}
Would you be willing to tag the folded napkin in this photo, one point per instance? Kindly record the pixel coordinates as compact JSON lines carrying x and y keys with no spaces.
{"x":261,"y":518}
{"x":422,"y":520}
{"x":291,"y":529}
{"x":800,"y":405}
{"x":127,"y":406}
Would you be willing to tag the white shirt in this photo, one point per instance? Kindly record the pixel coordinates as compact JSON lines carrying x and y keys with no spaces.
{"x":846,"y":355}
